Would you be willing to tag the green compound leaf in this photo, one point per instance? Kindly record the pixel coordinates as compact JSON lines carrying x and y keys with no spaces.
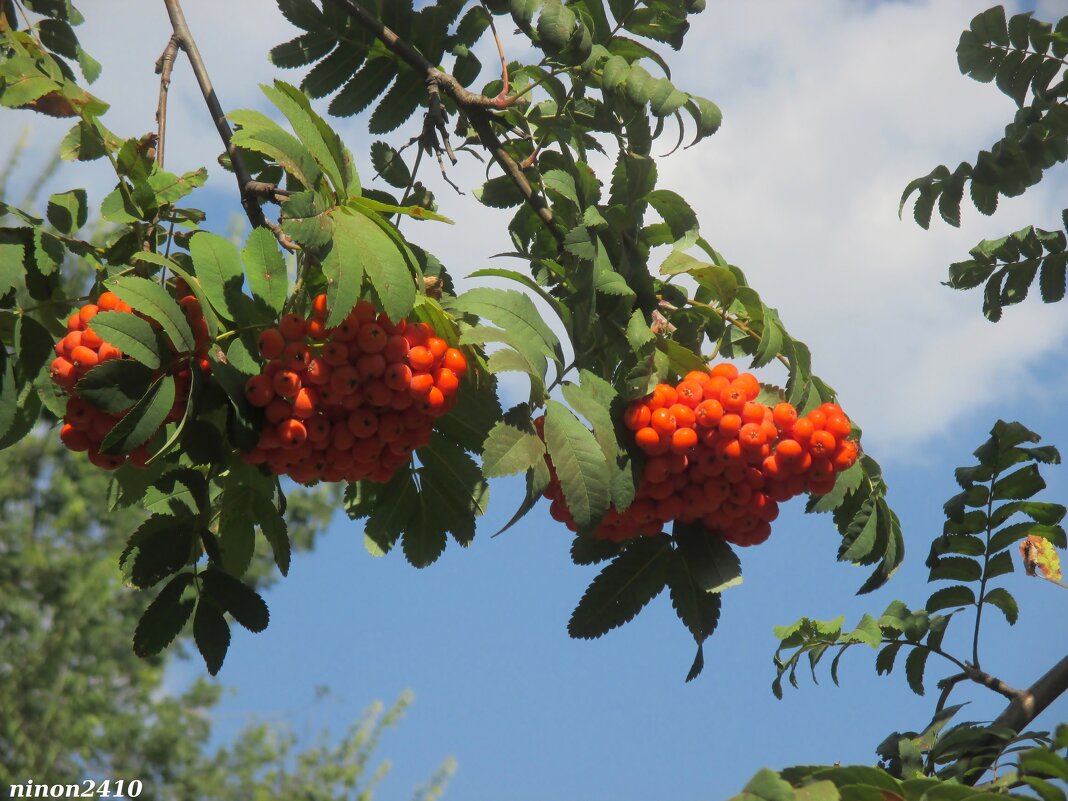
{"x":130,"y":334}
{"x":623,"y":588}
{"x":164,"y":618}
{"x":143,"y":420}
{"x":241,"y":601}
{"x":579,"y":462}
{"x":152,"y":300}
{"x":265,"y":268}
{"x":212,"y":634}
{"x":115,"y":385}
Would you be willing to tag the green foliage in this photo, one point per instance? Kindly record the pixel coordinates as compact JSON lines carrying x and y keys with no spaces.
{"x":1024,"y":57}
{"x":596,"y":83}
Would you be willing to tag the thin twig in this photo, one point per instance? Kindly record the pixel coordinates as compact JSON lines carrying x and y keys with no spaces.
{"x":164,"y":67}
{"x":1025,"y":706}
{"x":947,"y":684}
{"x":476,"y":106}
{"x":732,"y":320}
{"x":991,"y":682}
{"x":185,"y":40}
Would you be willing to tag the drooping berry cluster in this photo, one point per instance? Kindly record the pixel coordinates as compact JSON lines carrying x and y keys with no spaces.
{"x":350,"y":402}
{"x":84,"y":425}
{"x":716,"y":455}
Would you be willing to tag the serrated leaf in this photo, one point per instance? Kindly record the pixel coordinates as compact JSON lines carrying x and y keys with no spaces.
{"x":219,"y":270}
{"x":514,"y":312}
{"x":623,"y":588}
{"x":142,"y":420}
{"x":212,"y":635}
{"x":389,"y":165}
{"x":260,"y":134}
{"x":453,"y":491}
{"x":509,"y":449}
{"x":948,"y":597}
{"x":68,"y":211}
{"x":158,"y":547}
{"x":393,"y":509}
{"x":164,"y":618}
{"x":266,"y":269}
{"x":130,"y":334}
{"x":956,"y":568}
{"x":1003,"y":600}
{"x":306,"y":217}
{"x":579,"y":462}
{"x":343,"y":269}
{"x":382,"y":262}
{"x":241,"y":601}
{"x":317,"y":138}
{"x":273,"y":525}
{"x":152,"y":300}
{"x":1018,"y":485}
{"x":115,"y":385}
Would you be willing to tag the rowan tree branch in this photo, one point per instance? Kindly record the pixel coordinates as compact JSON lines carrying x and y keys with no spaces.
{"x":476,"y":106}
{"x":184,"y":38}
{"x":1025,"y":706}
{"x":164,"y":67}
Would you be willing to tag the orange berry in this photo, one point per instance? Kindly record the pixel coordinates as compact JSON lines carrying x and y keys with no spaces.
{"x":344,"y":379}
{"x":455,"y":360}
{"x":690,"y":393}
{"x":397,"y":376}
{"x":636,"y":416}
{"x":420,"y":358}
{"x":378,"y":393}
{"x":789,"y":451}
{"x":785,"y":416}
{"x":84,"y":358}
{"x":730,"y":425}
{"x":87,"y":312}
{"x":362,"y":423}
{"x":802,"y":431}
{"x":830,"y":409}
{"x":296,"y":357}
{"x":90,"y":339}
{"x":446,"y":380}
{"x":319,"y":305}
{"x":683,"y":440}
{"x":74,"y":439}
{"x":305,"y":403}
{"x":846,"y":455}
{"x":822,"y":445}
{"x":364,"y":312}
{"x":397,"y":348}
{"x":108,"y":301}
{"x":753,"y":412}
{"x":259,"y":390}
{"x":271,"y":343}
{"x":63,"y":373}
{"x":371,"y":338}
{"x":433,"y":403}
{"x":421,"y":384}
{"x":292,"y":326}
{"x":286,"y":383}
{"x":316,"y":329}
{"x":817,"y":418}
{"x":292,"y":433}
{"x":318,"y":372}
{"x":663,"y":421}
{"x":751,"y":436}
{"x":74,"y":322}
{"x":371,"y":365}
{"x":684,"y":415}
{"x":734,"y":397}
{"x":648,"y":439}
{"x":837,"y":424}
{"x":752,"y":386}
{"x":437,"y":346}
{"x":728,"y":371}
{"x":708,"y":413}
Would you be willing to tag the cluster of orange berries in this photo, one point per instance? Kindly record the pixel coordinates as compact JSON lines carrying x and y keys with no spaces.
{"x":716,"y":455}
{"x":84,"y":425}
{"x":350,"y":402}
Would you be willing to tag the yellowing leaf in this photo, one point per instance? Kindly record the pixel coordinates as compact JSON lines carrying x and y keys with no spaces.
{"x":1039,"y":555}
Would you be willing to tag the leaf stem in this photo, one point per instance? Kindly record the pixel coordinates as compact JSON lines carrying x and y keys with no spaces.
{"x":730,"y":319}
{"x":982,"y":581}
{"x":185,"y":41}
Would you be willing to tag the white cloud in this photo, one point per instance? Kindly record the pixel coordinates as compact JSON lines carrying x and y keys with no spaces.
{"x":829,"y":109}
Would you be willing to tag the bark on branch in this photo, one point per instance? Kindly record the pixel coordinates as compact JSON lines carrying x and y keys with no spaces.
{"x":477,"y":107}
{"x":184,"y":38}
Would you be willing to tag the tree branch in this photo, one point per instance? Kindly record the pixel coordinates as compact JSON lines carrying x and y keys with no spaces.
{"x":164,"y":67}
{"x":991,"y":682}
{"x":185,"y":40}
{"x":475,"y":105}
{"x":1025,"y":706}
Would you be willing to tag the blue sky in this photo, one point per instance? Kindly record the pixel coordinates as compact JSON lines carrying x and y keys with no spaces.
{"x":830,"y":108}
